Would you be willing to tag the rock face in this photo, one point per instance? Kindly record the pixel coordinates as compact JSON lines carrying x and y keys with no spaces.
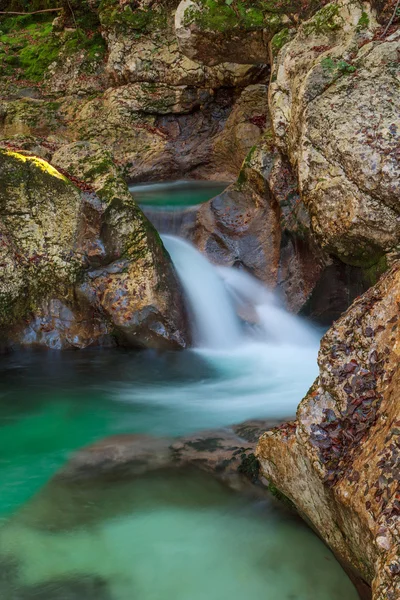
{"x":117,"y":76}
{"x":324,"y":178}
{"x":260,"y":224}
{"x":81,"y":268}
{"x":339,"y":461}
{"x":213,"y":34}
{"x":335,"y":101}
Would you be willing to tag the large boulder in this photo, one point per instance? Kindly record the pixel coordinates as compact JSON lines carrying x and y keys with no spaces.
{"x":261,"y":224}
{"x":339,"y":462}
{"x":81,"y":266}
{"x":217,"y":32}
{"x":335,"y":101}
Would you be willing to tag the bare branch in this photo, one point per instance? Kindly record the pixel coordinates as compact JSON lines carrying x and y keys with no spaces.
{"x":72,"y":12}
{"x":35,"y":12}
{"x":391,"y":19}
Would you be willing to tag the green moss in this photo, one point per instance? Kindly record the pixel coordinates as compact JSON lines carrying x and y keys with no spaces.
{"x":249,"y":466}
{"x":125,"y":18}
{"x":324,"y":21}
{"x":29,"y":45}
{"x":279,"y":40}
{"x":336,"y":66}
{"x":281,"y":497}
{"x":372,"y":274}
{"x":363,"y":21}
{"x":222,"y":16}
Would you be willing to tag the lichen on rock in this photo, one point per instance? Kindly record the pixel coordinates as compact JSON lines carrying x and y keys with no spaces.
{"x":334,"y":99}
{"x":81,"y":267}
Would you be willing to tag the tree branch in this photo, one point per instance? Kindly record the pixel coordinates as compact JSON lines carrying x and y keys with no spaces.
{"x":35,"y":12}
{"x":392,"y":18}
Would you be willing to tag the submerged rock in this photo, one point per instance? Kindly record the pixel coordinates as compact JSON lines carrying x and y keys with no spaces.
{"x":81,"y":267}
{"x":99,"y":480}
{"x":338,"y":463}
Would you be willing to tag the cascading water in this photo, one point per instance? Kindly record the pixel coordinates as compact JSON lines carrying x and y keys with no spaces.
{"x":212,"y":293}
{"x":273,"y":323}
{"x":215,"y":323}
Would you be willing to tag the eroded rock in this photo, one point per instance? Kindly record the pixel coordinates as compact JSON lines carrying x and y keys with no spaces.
{"x":339,"y":461}
{"x":81,"y":266}
{"x":334,"y":99}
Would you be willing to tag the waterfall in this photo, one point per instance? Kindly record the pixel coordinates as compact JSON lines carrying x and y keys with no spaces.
{"x":216,"y":324}
{"x":217,"y":295}
{"x":273,"y":322}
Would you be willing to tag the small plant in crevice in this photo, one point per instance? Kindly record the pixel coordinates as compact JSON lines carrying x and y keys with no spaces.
{"x":336,"y":67}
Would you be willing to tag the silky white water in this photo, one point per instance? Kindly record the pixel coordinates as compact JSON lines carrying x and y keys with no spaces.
{"x":258,"y":371}
{"x":215,"y":324}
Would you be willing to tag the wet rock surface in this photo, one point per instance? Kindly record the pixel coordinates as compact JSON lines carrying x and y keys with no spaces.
{"x":338,"y":462}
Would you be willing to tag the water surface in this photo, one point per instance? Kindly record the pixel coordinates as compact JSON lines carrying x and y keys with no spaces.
{"x":176,"y":195}
{"x":164,"y":536}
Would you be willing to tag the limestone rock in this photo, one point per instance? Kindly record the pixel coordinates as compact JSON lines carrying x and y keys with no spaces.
{"x":213,"y":34}
{"x":133,"y":281}
{"x":334,"y":100}
{"x":81,"y":268}
{"x":339,"y":461}
{"x":155,"y":57}
{"x":243,"y":129}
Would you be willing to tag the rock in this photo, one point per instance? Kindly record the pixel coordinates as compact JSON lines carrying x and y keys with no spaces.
{"x":157,"y":99}
{"x":240,"y":226}
{"x":334,"y":108}
{"x":39,"y":215}
{"x":133,"y":281}
{"x":89,"y":588}
{"x":243,"y":128}
{"x":214,"y":33}
{"x":339,"y":461}
{"x":81,"y":268}
{"x":131,"y":56}
{"x":97,"y":480}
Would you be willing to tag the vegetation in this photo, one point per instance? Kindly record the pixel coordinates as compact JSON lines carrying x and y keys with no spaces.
{"x":324,"y":21}
{"x":336,"y":66}
{"x":29,"y":45}
{"x":112,"y":14}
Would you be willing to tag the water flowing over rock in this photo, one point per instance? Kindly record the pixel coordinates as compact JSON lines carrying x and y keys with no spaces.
{"x":339,"y":461}
{"x":81,"y":267}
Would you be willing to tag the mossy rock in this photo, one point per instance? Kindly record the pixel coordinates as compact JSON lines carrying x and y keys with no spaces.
{"x":39,"y":212}
{"x":125,"y":18}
